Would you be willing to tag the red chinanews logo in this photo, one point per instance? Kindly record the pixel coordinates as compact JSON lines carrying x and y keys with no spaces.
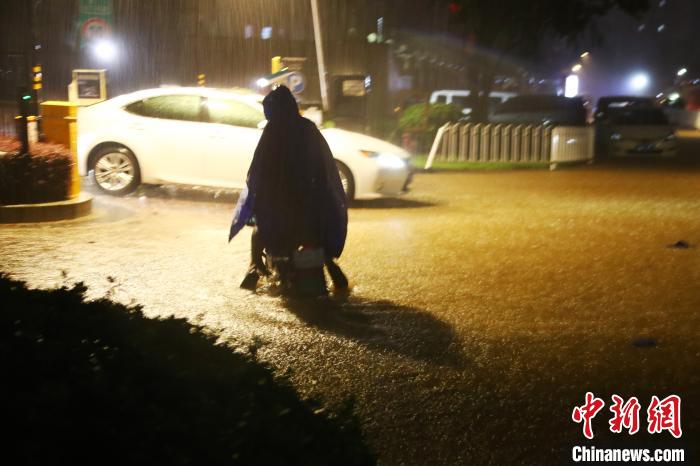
{"x":661,"y":415}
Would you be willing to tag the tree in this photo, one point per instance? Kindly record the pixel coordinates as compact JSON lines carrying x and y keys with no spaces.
{"x":517,"y":29}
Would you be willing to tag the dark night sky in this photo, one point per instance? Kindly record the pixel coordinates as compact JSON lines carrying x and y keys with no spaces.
{"x":665,"y":40}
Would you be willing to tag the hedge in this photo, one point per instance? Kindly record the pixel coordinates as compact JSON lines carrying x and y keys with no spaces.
{"x":423,"y":120}
{"x":96,"y":382}
{"x":44,"y":175}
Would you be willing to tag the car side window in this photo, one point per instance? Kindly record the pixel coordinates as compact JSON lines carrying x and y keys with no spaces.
{"x":169,"y":107}
{"x":233,"y":112}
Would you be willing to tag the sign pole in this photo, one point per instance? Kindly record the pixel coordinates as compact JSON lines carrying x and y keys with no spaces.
{"x":319,"y":54}
{"x":24,"y":96}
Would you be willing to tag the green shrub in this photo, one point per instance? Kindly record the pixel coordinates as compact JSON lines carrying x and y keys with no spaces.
{"x":99,"y":383}
{"x":423,"y":120}
{"x":42,"y":176}
{"x":428,"y":117}
{"x":386,"y":128}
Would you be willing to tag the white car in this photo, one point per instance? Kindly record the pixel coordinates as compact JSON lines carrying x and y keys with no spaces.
{"x":207,"y":137}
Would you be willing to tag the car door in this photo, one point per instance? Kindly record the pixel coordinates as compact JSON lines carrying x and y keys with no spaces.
{"x":175,"y":135}
{"x":233,"y":136}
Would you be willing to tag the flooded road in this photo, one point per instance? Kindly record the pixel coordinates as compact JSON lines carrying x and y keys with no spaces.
{"x":484,"y":304}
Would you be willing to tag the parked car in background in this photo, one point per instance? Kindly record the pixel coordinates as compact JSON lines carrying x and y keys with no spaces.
{"x":635,"y":129}
{"x":207,"y":137}
{"x":541,"y":110}
{"x":613,"y":103}
{"x":464,"y":99}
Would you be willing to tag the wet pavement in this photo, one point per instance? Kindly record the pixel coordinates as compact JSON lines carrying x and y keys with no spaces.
{"x":485,"y":304}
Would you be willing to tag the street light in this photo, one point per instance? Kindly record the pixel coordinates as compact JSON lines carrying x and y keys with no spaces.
{"x":638,"y":81}
{"x":681,"y":72}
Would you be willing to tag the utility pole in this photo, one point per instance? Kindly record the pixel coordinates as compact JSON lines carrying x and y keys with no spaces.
{"x":201,"y":77}
{"x":28,"y":94}
{"x":27,"y":91}
{"x":34,"y":71}
{"x":319,"y":55}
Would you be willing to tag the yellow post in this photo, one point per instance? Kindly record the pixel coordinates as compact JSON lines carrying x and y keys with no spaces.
{"x":276,"y":64}
{"x":32,"y":127}
{"x":60,"y":125}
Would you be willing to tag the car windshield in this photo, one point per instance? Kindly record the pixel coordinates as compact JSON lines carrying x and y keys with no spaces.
{"x":612,"y":103}
{"x":233,"y":112}
{"x":463,"y":101}
{"x":171,"y":107}
{"x":639,"y":116}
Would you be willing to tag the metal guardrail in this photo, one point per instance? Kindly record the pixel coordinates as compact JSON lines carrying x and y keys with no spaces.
{"x":493,"y":143}
{"x":7,"y":121}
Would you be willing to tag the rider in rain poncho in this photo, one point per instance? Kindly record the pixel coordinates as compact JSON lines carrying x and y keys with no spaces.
{"x":293,"y":189}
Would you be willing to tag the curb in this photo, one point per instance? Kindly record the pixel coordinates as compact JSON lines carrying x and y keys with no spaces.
{"x":47,"y":212}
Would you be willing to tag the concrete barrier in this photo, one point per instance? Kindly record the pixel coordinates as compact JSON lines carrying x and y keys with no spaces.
{"x":79,"y":206}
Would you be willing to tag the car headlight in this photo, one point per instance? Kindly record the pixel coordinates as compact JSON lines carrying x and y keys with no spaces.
{"x":385,"y":160}
{"x":615,"y":136}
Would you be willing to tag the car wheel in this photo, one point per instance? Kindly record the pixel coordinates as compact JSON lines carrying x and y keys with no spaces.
{"x":115,"y":170}
{"x":346,"y":180}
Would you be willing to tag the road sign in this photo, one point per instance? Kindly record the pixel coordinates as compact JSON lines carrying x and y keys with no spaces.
{"x":95,"y":28}
{"x":296,"y":82}
{"x":95,"y":19}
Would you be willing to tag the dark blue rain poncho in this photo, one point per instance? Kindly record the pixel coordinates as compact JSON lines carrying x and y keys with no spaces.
{"x":294,"y":190}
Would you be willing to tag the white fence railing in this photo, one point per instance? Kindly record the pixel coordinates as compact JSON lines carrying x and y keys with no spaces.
{"x":492,"y":143}
{"x":571,"y":144}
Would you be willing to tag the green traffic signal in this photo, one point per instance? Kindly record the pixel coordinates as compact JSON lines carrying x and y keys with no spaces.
{"x":27,"y":97}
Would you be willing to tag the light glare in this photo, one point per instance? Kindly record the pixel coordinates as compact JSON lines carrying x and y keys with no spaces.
{"x":571,"y":86}
{"x":390,"y":161}
{"x":638,"y":82}
{"x":105,"y":50}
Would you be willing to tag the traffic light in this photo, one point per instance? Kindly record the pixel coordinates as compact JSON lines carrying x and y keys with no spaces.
{"x":201,"y":79}
{"x":37,"y":78}
{"x":24,"y":100}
